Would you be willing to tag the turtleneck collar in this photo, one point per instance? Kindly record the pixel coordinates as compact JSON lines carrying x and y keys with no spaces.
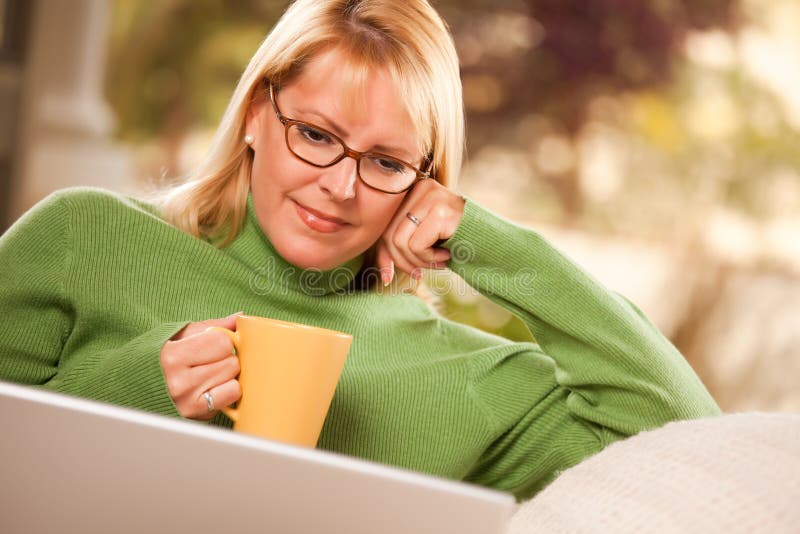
{"x":253,"y":248}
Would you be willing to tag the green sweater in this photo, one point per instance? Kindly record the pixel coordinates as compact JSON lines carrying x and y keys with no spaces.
{"x":93,"y":284}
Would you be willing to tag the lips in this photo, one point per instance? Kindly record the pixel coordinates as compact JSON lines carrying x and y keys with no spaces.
{"x":318,"y":220}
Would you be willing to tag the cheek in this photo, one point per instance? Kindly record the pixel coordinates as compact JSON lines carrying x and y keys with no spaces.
{"x":274,"y":172}
{"x":378,"y":210}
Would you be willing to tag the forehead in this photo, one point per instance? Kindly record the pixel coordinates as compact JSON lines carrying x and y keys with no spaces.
{"x":351,"y":91}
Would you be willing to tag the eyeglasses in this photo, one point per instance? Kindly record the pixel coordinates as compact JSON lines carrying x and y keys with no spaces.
{"x":321,"y":148}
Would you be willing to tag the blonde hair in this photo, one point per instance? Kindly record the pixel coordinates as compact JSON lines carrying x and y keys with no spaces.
{"x":407,"y":37}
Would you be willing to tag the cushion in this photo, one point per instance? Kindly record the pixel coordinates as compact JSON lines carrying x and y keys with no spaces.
{"x":731,"y":473}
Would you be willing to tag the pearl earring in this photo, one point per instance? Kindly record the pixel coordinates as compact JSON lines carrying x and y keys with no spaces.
{"x":248,"y":139}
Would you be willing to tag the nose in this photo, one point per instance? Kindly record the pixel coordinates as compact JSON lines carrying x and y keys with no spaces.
{"x":339,"y":181}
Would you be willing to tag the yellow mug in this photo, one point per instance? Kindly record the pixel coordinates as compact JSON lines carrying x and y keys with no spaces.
{"x":289,"y":372}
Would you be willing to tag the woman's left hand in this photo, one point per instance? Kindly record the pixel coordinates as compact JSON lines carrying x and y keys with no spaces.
{"x":409,"y":245}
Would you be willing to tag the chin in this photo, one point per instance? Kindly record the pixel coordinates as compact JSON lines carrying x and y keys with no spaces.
{"x":304,"y":258}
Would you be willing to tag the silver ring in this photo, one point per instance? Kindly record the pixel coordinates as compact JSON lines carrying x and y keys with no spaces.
{"x":413,"y":218}
{"x":209,"y":401}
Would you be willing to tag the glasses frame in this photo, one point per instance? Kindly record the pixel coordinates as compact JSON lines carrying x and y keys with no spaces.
{"x":347,"y":152}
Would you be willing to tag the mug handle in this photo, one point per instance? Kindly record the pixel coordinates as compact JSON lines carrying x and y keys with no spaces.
{"x":232,"y":413}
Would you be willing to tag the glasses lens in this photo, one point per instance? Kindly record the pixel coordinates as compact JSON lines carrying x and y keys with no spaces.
{"x":313,"y":144}
{"x":319,"y":147}
{"x":386,"y":173}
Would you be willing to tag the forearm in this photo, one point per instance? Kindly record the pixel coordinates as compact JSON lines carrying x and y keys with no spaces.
{"x":38,"y":340}
{"x":623,"y":373}
{"x":129,"y":375}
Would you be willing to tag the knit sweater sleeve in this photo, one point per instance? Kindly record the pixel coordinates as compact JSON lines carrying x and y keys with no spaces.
{"x":38,"y":318}
{"x":620,"y":373}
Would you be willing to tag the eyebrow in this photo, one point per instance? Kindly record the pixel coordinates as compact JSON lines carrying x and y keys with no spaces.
{"x":331,"y":125}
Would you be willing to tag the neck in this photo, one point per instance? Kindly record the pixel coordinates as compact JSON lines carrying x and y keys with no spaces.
{"x":270,"y":269}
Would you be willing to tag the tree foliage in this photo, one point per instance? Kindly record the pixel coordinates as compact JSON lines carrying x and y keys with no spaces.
{"x":580,"y":49}
{"x":173,"y":64}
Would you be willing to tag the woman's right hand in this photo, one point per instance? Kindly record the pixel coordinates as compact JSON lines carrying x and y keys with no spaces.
{"x":198,"y":360}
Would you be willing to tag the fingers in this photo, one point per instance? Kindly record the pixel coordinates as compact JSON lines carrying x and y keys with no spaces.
{"x":223,"y":394}
{"x":408,"y":251}
{"x":206,"y":347}
{"x":201,"y":349}
{"x":188,"y":384}
{"x":219,"y":379}
{"x":411,"y":247}
{"x":404,"y":258}
{"x":384,"y":262}
{"x":421,"y":243}
{"x":191,"y":329}
{"x":201,"y":360}
{"x":213,"y":374}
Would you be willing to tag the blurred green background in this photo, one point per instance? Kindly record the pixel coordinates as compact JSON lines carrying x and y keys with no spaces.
{"x":656,"y":141}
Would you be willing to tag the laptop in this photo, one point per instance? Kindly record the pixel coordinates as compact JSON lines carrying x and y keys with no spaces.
{"x":74,"y":465}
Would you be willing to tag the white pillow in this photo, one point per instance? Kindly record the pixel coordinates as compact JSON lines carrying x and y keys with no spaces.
{"x":733,"y":473}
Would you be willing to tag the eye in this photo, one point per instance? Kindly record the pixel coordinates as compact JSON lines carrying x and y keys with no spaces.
{"x":389,"y":165}
{"x":313,"y":135}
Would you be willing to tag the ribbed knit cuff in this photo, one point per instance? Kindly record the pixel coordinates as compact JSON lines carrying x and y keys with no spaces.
{"x":473,"y":239}
{"x":130,"y":375}
{"x":493,"y":255}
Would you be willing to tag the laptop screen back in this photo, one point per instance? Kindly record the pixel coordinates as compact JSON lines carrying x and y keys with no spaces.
{"x":72,"y":465}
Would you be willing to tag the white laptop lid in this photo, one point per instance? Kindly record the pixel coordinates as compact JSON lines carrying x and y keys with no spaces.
{"x":73,"y":465}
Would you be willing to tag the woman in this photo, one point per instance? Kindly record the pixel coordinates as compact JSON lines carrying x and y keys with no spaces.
{"x":331,"y":165}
